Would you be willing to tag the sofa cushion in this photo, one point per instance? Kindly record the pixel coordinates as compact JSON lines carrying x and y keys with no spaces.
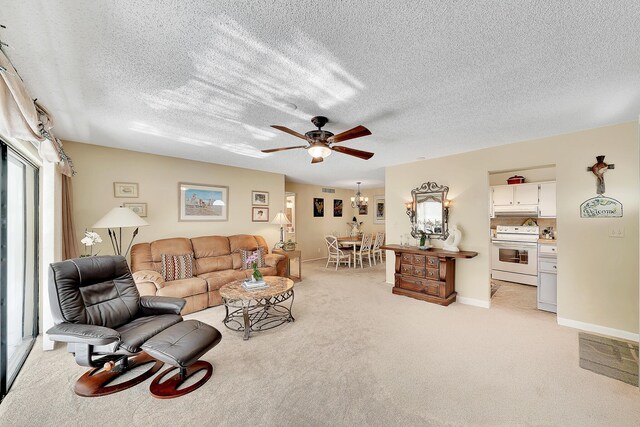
{"x":242,"y":241}
{"x":183,"y":288}
{"x":214,"y":263}
{"x":210,"y":246}
{"x":174,"y":246}
{"x":176,"y":267}
{"x":244,"y":255}
{"x":267,"y":271}
{"x":215,"y":280}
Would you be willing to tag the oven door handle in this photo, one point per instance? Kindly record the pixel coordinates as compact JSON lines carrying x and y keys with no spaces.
{"x":516,"y":246}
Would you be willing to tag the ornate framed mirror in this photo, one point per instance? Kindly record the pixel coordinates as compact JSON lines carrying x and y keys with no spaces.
{"x":428,"y":212}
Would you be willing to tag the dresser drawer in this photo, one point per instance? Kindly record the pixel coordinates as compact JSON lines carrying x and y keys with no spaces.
{"x":418,"y":260}
{"x":432,"y":262}
{"x":407,"y":258}
{"x":420,"y":285}
{"x":406,"y":269}
{"x":433,"y":274}
{"x":419,"y":271}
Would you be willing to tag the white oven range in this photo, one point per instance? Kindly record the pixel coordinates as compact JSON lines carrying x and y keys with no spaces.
{"x":514,"y":254}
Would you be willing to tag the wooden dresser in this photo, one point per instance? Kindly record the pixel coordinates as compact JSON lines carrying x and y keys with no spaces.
{"x":426,"y":275}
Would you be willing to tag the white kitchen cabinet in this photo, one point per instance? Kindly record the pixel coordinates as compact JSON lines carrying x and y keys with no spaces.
{"x":547,"y":202}
{"x":547,"y":277}
{"x":502,"y":195}
{"x":507,"y":198}
{"x":525,"y":194}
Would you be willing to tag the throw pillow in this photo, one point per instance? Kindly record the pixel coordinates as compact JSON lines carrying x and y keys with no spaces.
{"x":245,"y":254}
{"x":176,"y":267}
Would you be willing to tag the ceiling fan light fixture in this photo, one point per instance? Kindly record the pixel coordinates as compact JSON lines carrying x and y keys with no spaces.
{"x":319,"y":150}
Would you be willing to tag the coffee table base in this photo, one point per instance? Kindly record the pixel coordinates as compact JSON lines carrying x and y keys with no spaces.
{"x":258,"y":315}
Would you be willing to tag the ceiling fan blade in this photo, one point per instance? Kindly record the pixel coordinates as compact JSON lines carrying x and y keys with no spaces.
{"x":273,"y":150}
{"x":317,"y":160}
{"x":289,"y":131}
{"x":356,"y":132}
{"x":364,"y":155}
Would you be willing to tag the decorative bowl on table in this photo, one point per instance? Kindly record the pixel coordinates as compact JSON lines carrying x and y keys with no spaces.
{"x":425,"y":247}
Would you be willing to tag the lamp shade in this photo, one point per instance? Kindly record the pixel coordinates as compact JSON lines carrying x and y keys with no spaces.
{"x":120,"y":217}
{"x":280,"y":219}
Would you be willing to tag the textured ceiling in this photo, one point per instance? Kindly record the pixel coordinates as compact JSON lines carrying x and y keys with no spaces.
{"x":204,"y":79}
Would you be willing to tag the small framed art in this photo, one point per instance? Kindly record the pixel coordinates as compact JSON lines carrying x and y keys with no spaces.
{"x":139,"y":208}
{"x":260,"y":198}
{"x":125,"y":189}
{"x":318,"y":207}
{"x":337,"y":208}
{"x":378,"y":206}
{"x":259,"y":214}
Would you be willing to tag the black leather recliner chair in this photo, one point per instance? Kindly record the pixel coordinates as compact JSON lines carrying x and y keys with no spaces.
{"x":100,"y":314}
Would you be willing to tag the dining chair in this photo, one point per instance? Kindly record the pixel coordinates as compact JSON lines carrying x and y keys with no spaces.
{"x":336,"y":255}
{"x":365,"y":249}
{"x":375,"y":249}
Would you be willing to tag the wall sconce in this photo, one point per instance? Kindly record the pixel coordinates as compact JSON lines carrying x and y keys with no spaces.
{"x":447,"y":206}
{"x":410,"y":212}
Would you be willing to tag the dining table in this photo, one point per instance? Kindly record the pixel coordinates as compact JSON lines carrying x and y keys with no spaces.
{"x":353,"y":241}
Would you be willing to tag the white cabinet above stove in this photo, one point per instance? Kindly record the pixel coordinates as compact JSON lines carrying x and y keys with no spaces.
{"x":523,"y":200}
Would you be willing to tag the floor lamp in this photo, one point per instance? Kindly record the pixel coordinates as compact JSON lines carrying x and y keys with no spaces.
{"x":281,"y":220}
{"x":120,"y":218}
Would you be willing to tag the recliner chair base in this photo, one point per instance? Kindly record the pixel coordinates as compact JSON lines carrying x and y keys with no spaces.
{"x":170,"y":388}
{"x":95,"y":382}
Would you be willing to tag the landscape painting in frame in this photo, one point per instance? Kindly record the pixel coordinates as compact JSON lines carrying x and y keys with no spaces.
{"x":200,"y":202}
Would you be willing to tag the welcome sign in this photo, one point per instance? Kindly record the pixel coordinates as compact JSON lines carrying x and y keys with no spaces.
{"x":601,"y":207}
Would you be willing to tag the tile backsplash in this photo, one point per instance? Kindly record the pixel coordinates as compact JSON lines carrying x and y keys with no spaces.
{"x":542,"y":222}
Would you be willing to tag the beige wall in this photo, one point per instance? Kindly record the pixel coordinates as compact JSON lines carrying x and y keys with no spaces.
{"x":310,"y":231}
{"x":158,"y":176}
{"x":597,"y":275}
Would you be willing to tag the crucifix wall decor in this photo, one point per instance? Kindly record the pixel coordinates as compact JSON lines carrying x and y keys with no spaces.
{"x":598,"y":169}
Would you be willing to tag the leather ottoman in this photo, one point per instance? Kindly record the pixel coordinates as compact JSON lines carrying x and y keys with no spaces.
{"x":181,"y":346}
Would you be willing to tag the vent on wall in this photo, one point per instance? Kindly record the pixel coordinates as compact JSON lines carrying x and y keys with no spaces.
{"x":329,"y":190}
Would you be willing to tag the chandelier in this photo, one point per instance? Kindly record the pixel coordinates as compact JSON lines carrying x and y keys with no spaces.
{"x":358,"y":200}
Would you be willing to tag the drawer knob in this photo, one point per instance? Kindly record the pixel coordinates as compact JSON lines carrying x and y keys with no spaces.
{"x":555,"y":266}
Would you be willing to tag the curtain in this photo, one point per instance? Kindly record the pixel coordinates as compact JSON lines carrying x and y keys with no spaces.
{"x":69,"y":240}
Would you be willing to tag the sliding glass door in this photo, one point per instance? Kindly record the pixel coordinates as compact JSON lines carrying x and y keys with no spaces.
{"x":19,"y":270}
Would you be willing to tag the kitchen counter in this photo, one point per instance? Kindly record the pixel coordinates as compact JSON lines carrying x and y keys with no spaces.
{"x":547,"y":241}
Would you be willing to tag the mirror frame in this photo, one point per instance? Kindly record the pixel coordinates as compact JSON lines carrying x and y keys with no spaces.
{"x":430,"y":188}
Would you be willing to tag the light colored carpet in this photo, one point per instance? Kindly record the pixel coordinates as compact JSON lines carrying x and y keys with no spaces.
{"x":357,"y":355}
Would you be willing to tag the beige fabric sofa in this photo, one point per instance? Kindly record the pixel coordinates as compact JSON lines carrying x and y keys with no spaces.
{"x":217,"y":261}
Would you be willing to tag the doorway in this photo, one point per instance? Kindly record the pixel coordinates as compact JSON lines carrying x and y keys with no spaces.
{"x":523,"y":238}
{"x":290,"y":212}
{"x":19,"y":270}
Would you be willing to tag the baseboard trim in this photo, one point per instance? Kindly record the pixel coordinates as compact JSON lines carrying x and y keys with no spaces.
{"x":314,"y":259}
{"x":473,"y":301}
{"x":598,"y":329}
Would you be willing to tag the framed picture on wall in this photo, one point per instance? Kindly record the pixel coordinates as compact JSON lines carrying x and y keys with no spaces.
{"x":337,"y":207}
{"x":318,"y":207}
{"x":260,"y":198}
{"x":259,"y":214}
{"x":363,"y":210}
{"x":378,"y":212}
{"x":202,"y":202}
{"x":139,"y":208}
{"x":125,"y":189}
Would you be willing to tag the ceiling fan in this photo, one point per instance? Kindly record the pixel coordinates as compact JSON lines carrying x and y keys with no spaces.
{"x":321,"y":142}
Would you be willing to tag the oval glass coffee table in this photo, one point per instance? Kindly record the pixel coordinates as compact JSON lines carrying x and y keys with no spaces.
{"x":258,"y":310}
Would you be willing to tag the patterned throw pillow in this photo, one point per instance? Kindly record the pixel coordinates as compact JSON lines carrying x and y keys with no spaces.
{"x":176,"y":267}
{"x":245,"y":254}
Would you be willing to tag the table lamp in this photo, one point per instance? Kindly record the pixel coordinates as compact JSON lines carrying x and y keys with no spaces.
{"x":120,"y":218}
{"x":281,"y":220}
